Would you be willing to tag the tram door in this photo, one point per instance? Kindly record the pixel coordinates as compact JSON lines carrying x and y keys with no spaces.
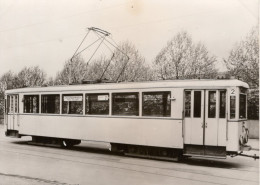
{"x":194,"y":117}
{"x":204,"y":117}
{"x":12,"y":112}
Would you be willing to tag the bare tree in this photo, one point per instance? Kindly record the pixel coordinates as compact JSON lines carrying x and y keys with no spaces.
{"x":7,"y":81}
{"x":97,"y":67}
{"x":126,"y":64}
{"x":31,"y":76}
{"x":73,"y":71}
{"x":27,"y":77}
{"x":243,"y":60}
{"x":181,"y":58}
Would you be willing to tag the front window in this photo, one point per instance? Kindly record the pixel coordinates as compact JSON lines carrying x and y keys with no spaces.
{"x":232,"y":107}
{"x":242,"y":106}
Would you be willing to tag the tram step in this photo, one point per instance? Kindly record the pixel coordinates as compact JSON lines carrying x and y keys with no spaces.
{"x":176,"y":159}
{"x":205,"y":156}
{"x":205,"y":150}
{"x":43,"y":144}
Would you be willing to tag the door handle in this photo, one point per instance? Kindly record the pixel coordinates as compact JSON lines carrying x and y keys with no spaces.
{"x":202,"y":125}
{"x":206,"y":125}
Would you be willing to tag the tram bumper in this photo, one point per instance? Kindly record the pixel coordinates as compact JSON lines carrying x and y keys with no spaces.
{"x":12,"y":133}
{"x":245,"y":148}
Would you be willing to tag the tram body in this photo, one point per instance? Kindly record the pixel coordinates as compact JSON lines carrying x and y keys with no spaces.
{"x":193,"y":117}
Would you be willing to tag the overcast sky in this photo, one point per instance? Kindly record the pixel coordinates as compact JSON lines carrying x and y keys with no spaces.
{"x":47,"y":32}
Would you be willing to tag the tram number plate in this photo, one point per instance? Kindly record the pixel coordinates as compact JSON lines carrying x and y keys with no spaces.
{"x":232,"y":92}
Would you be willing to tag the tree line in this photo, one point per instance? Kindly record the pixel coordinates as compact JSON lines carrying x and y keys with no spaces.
{"x":180,"y":58}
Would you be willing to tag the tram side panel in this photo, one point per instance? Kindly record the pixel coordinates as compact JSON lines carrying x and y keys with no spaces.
{"x":233,"y":136}
{"x":237,"y":136}
{"x":136,"y":131}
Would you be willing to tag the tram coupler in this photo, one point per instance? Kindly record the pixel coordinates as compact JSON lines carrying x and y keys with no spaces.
{"x":253,"y":156}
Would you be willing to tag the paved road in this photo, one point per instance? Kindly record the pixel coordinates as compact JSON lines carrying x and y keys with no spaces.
{"x":23,"y":164}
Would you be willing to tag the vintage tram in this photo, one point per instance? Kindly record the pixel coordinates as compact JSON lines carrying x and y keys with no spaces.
{"x":162,"y":119}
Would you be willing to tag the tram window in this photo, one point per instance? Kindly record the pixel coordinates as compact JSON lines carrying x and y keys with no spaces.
{"x":126,"y":104}
{"x":50,"y":104}
{"x":222,"y":104}
{"x":242,"y":106}
{"x":31,"y":103}
{"x":8,"y":104}
{"x":187,"y":103}
{"x":197,"y":104}
{"x":12,"y":104}
{"x":212,"y":104}
{"x":16,"y":104}
{"x":157,"y":104}
{"x":232,"y":107}
{"x":72,"y":104}
{"x":5,"y":105}
{"x":97,"y":104}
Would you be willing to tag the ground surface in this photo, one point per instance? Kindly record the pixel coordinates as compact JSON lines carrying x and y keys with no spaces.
{"x":92,"y":163}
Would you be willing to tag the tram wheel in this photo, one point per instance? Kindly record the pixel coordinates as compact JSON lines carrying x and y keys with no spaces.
{"x":66,"y":143}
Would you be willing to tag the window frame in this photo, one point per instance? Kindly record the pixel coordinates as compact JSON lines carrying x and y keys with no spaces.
{"x":233,"y":99}
{"x":194,"y":104}
{"x":72,"y":94}
{"x":97,"y":93}
{"x":167,"y":115}
{"x":24,"y":102}
{"x":239,"y":106}
{"x":190,"y":104}
{"x":56,"y":94}
{"x":212,"y":103}
{"x":126,"y":93}
{"x":225,"y":104}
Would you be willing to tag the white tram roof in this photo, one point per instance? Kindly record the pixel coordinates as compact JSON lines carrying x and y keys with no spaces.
{"x":188,"y":84}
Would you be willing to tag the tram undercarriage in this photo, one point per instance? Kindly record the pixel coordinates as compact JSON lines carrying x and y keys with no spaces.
{"x":148,"y":151}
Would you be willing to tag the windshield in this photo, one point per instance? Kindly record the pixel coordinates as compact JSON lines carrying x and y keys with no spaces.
{"x":242,"y":106}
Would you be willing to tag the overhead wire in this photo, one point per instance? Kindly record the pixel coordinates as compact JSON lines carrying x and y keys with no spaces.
{"x":122,"y":27}
{"x":6,"y":10}
{"x":250,"y":12}
{"x":39,"y":42}
{"x":65,"y":17}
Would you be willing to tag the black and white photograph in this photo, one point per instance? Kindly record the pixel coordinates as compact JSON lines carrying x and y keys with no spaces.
{"x":129,"y":92}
